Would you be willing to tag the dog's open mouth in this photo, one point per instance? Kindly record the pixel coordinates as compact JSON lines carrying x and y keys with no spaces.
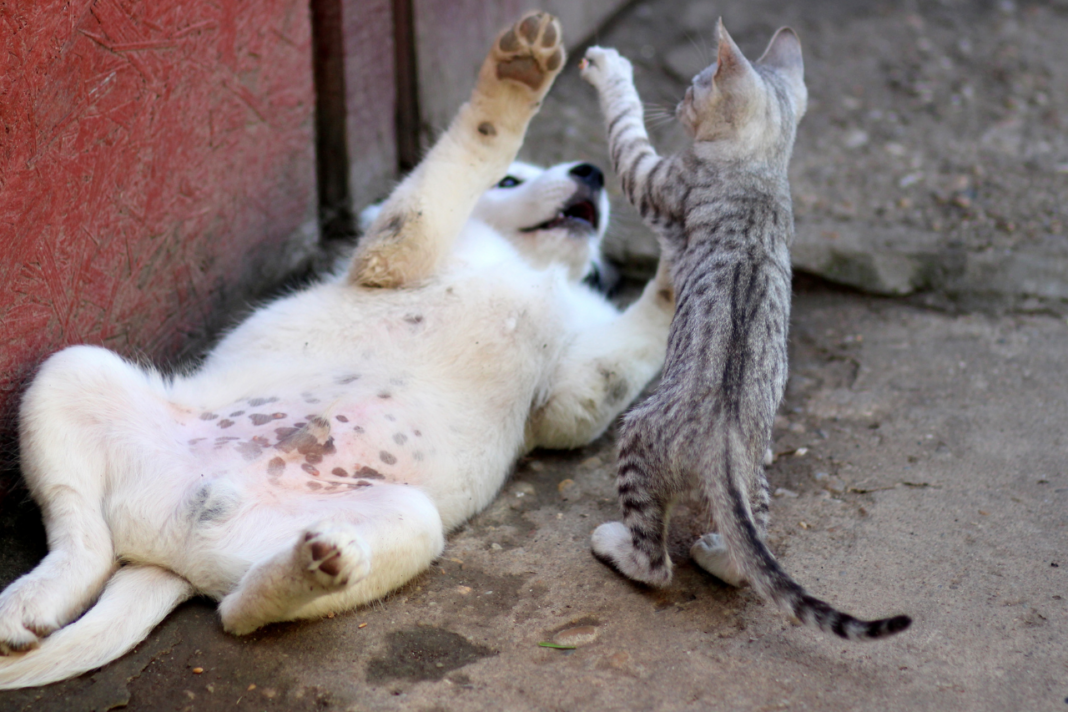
{"x":581,"y":214}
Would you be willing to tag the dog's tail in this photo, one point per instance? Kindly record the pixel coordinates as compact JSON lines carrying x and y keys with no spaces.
{"x":134,"y":601}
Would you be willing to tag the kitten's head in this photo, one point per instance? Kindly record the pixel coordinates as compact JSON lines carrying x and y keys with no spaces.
{"x":752,"y":107}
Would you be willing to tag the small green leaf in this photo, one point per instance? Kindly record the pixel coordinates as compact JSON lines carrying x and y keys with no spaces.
{"x":555,"y":646}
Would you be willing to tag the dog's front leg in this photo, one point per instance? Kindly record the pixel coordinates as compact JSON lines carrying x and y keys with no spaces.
{"x":605,"y":368}
{"x":417,"y":225}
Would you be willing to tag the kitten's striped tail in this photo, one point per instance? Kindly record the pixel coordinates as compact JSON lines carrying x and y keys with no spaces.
{"x":752,"y":557}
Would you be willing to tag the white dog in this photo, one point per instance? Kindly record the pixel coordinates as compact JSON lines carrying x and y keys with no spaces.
{"x":316,"y":459}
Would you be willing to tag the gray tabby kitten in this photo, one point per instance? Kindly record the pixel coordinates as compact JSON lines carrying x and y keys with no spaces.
{"x":722,"y":211}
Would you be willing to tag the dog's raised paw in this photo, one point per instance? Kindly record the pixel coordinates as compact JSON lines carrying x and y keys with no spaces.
{"x":334,"y":556}
{"x":531,"y":51}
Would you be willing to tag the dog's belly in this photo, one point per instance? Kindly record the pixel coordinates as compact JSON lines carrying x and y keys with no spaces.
{"x":311,"y":443}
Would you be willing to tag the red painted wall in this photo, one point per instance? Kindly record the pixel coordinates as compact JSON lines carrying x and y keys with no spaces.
{"x":153,"y":158}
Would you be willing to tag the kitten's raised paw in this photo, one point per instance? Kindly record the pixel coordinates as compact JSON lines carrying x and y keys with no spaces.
{"x":602,"y":63}
{"x":612,"y":543}
{"x":531,"y":51}
{"x":710,"y":553}
{"x":334,"y":556}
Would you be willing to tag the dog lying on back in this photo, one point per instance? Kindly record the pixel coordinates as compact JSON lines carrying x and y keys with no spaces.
{"x":317,"y":458}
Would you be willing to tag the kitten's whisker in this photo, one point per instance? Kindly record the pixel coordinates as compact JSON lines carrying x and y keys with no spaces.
{"x":703,"y":50}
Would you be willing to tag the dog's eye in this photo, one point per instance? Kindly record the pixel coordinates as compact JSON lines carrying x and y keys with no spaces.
{"x":509,"y":182}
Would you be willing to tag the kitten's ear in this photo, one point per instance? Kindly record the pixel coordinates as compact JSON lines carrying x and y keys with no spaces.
{"x":730,"y":62}
{"x":784,"y":53}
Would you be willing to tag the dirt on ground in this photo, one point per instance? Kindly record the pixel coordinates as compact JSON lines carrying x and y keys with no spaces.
{"x":921,"y":452}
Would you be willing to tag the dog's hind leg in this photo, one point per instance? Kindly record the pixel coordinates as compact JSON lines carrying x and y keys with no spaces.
{"x":416,"y":226}
{"x":369,"y":544}
{"x":79,"y":395}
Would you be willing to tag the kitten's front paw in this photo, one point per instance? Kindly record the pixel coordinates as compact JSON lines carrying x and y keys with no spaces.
{"x":710,"y":553}
{"x":603,"y":65}
{"x":612,"y":544}
{"x":531,"y":52}
{"x":334,"y":556}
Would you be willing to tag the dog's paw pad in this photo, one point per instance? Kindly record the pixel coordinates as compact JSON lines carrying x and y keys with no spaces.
{"x":334,"y":557}
{"x":531,"y":51}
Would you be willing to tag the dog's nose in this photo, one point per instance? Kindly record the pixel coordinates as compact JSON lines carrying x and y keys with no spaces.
{"x":588,"y":174}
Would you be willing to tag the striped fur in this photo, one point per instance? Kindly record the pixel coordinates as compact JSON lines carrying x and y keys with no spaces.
{"x":722,"y":211}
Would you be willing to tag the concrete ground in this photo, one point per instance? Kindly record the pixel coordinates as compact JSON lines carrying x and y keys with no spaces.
{"x":922,"y":453}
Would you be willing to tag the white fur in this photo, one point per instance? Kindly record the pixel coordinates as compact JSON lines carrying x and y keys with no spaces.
{"x":454,"y":343}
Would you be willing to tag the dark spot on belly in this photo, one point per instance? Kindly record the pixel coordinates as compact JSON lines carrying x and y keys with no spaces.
{"x":486,"y":129}
{"x":385,"y":394}
{"x":313,"y":458}
{"x":313,"y":485}
{"x":387,"y":457}
{"x":417,"y":455}
{"x":369,"y":473}
{"x":207,"y":505}
{"x":226,"y":438}
{"x":341,"y":418}
{"x":339,"y":472}
{"x":225,"y":423}
{"x":257,"y":402}
{"x":363,"y":483}
{"x":413,"y":318}
{"x":276,"y":466}
{"x":310,"y":470}
{"x":417,"y":434}
{"x":311,"y":400}
{"x":194,"y":441}
{"x":346,"y":380}
{"x":358,"y":429}
{"x":319,"y":421}
{"x":261,"y":441}
{"x":278,"y":416}
{"x":284,"y":433}
{"x":237,"y":413}
{"x":250,"y":450}
{"x":400,"y":438}
{"x":299,"y":425}
{"x":260,"y":419}
{"x":208,"y":416}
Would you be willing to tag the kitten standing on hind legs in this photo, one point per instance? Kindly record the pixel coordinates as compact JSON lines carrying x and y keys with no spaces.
{"x":722,"y":211}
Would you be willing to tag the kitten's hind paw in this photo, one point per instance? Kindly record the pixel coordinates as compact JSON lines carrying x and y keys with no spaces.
{"x":710,"y":553}
{"x":612,"y":543}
